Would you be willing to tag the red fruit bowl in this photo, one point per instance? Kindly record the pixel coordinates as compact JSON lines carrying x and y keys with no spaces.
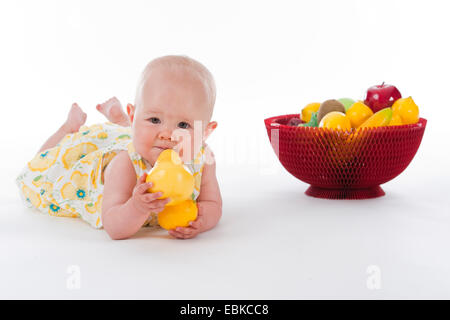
{"x":340,"y":164}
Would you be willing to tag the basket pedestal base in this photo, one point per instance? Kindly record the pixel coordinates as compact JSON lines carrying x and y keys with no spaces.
{"x":349,"y":194}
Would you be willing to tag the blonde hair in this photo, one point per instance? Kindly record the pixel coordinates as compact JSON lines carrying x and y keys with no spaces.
{"x":177,"y":63}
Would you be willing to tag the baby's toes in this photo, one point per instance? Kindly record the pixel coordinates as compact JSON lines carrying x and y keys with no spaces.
{"x":75,"y":119}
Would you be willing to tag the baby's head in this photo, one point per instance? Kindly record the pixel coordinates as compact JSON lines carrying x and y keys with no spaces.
{"x":173,"y":94}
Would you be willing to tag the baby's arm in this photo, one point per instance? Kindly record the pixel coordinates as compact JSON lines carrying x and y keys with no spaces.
{"x":209,"y":203}
{"x":126,"y":204}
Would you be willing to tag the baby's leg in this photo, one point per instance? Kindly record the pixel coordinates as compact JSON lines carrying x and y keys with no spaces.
{"x":112,"y":110}
{"x":75,"y":120}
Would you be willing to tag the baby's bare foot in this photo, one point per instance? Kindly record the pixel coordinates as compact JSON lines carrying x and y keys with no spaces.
{"x":112,"y":110}
{"x":75,"y":119}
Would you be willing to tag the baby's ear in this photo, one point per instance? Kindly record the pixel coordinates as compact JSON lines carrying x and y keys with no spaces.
{"x":210,"y":127}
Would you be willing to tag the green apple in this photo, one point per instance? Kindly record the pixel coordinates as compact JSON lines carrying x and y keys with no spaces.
{"x":347,"y":102}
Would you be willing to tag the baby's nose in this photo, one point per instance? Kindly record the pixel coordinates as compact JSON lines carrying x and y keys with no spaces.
{"x":165,"y":135}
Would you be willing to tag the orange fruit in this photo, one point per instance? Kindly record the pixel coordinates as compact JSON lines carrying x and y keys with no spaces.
{"x":407,"y":109}
{"x":358,"y":113}
{"x":379,"y":119}
{"x":335,"y":120}
{"x":308,"y":110}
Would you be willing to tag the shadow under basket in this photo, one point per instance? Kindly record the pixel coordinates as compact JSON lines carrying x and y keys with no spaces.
{"x":344,"y":164}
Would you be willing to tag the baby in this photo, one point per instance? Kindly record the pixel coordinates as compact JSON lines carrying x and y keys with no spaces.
{"x":99,"y":172}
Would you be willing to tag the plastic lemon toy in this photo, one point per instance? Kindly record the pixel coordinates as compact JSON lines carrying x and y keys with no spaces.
{"x":171,"y":177}
{"x":178,"y":215}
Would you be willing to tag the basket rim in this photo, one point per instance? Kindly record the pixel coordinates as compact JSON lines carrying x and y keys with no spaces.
{"x":269,"y":123}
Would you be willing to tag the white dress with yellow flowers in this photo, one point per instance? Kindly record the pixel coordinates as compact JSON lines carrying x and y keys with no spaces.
{"x":65,"y":180}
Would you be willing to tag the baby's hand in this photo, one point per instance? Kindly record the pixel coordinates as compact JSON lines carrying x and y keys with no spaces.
{"x":146,"y":202}
{"x":195,"y":227}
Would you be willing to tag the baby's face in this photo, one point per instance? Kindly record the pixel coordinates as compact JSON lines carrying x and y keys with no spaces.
{"x":168,"y":106}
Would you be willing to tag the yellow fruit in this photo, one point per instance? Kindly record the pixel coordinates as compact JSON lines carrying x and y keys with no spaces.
{"x":31,"y":196}
{"x":178,"y":215}
{"x":171,"y":177}
{"x":407,"y":109}
{"x":335,"y":120}
{"x":308,"y":110}
{"x":379,"y":119}
{"x":396,"y":120}
{"x":358,"y":113}
{"x":44,"y":160}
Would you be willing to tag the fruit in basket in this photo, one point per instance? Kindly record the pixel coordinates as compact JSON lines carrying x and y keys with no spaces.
{"x":347,"y":102}
{"x":379,"y":119}
{"x":358,"y":113}
{"x":381,"y":96}
{"x":396,"y":120}
{"x":342,"y":165}
{"x":312,"y":122}
{"x":407,"y":110}
{"x":308,"y":110}
{"x":335,"y":120}
{"x":329,"y":106}
{"x":294,"y":122}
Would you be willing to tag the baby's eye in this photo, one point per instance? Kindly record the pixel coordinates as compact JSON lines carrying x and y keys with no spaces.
{"x":154,"y":120}
{"x":183,"y":125}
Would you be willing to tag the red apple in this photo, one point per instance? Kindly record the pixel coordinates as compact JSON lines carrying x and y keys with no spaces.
{"x":381,"y":96}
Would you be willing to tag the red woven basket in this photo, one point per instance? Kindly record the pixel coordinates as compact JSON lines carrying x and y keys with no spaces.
{"x":344,"y":164}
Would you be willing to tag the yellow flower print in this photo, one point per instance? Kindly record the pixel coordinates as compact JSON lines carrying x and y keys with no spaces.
{"x":107,"y":157}
{"x":131,"y":148}
{"x":76,"y":153}
{"x":54,"y":209}
{"x":72,"y":210}
{"x":43,"y":160}
{"x":84,"y":130}
{"x":102,"y":135}
{"x":140,"y":163}
{"x":38,"y":180}
{"x":31,"y":196}
{"x":94,"y":207}
{"x":91,"y":156}
{"x":199,"y":156}
{"x":97,"y":222}
{"x":76,"y":189}
{"x":95,"y":173}
{"x":45,"y":187}
{"x":198,"y":179}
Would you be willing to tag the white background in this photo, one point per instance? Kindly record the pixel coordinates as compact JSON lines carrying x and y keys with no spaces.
{"x":268,"y":58}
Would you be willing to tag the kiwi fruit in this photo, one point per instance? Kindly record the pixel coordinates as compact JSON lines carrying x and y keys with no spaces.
{"x":328,"y":106}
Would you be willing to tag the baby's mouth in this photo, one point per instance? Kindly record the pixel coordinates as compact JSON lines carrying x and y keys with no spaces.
{"x":179,"y":150}
{"x":162,"y":147}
